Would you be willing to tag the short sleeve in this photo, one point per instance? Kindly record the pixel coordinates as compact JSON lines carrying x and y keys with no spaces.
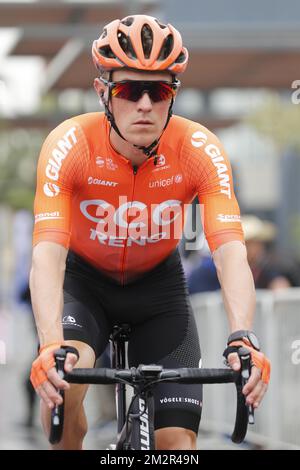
{"x":62,"y":158}
{"x":209,"y":174}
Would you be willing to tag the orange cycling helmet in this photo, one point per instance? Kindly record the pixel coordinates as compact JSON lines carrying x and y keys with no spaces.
{"x":140,"y":42}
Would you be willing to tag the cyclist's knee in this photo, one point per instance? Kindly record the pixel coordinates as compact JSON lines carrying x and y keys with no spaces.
{"x":75,"y":429}
{"x":75,"y":424}
{"x":174,"y":438}
{"x":86,"y":353}
{"x":73,"y":410}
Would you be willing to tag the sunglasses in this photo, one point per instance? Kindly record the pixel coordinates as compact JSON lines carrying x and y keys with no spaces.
{"x":133,"y":90}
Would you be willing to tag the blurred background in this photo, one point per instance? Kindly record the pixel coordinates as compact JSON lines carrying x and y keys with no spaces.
{"x":243,"y":83}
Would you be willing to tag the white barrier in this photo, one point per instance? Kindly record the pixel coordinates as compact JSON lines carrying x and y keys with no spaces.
{"x":277,"y":324}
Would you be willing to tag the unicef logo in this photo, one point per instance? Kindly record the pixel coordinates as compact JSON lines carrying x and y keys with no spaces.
{"x":198,"y":139}
{"x":178,"y":178}
{"x":51,"y":189}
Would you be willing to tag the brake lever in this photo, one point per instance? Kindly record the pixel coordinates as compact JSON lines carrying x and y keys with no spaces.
{"x":60,"y":358}
{"x":245,"y":358}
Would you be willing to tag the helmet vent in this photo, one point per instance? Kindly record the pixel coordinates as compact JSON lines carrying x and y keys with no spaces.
{"x":126,"y":44}
{"x":180,"y":58}
{"x":128,"y":21}
{"x":147,"y":40}
{"x":162,"y":26}
{"x":166,"y":47}
{"x":106,"y":51}
{"x":104,"y":34}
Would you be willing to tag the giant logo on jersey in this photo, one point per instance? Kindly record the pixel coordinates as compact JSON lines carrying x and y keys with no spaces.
{"x":100,"y":182}
{"x":218,"y":160}
{"x":59,"y":153}
{"x":51,"y":189}
{"x":198,"y":140}
{"x":133,"y":222}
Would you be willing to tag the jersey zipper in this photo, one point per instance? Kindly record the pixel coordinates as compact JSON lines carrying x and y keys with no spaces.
{"x":134,"y":170}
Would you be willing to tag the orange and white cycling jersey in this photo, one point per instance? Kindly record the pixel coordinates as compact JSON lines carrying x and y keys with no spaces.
{"x":125,"y":220}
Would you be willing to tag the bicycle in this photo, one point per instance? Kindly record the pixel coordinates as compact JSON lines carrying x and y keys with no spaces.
{"x":136,"y":426}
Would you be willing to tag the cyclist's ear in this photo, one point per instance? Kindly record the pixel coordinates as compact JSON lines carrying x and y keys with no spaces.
{"x":99,"y":88}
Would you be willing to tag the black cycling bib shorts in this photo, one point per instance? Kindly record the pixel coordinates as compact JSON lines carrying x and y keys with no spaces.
{"x":163,"y":329}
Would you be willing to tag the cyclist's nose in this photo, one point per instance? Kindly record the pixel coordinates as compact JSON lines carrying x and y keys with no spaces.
{"x":144,"y":103}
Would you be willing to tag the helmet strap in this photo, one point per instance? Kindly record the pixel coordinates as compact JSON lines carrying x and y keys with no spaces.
{"x":109,"y":114}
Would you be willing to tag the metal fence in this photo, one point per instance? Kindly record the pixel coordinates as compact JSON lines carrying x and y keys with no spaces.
{"x":277,"y":323}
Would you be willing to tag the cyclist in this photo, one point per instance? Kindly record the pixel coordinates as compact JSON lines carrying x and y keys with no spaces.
{"x":111,"y":188}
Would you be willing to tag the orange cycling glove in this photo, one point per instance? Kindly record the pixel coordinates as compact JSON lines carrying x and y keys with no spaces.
{"x":43,"y":363}
{"x":259,"y":360}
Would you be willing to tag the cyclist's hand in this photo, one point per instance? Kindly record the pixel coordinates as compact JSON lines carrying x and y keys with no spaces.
{"x":257,"y":385}
{"x":45,"y":378}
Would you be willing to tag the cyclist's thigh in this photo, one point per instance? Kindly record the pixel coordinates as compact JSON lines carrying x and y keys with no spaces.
{"x":83,"y":317}
{"x":172,"y":341}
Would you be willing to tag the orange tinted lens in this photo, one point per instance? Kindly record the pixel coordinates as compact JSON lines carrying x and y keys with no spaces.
{"x":133,"y":90}
{"x":161,"y":91}
{"x":123,"y":90}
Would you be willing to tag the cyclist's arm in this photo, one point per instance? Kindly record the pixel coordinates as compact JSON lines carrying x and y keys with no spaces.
{"x":61,"y":162}
{"x":237,"y":284}
{"x":208,"y":172}
{"x":239,"y":298}
{"x":223,"y":230}
{"x":46,"y":287}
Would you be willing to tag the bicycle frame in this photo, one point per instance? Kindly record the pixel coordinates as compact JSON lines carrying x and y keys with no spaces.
{"x":142,"y":431}
{"x":138,"y":433}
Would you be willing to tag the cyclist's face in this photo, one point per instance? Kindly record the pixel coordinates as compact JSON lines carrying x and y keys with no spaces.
{"x":142,"y":121}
